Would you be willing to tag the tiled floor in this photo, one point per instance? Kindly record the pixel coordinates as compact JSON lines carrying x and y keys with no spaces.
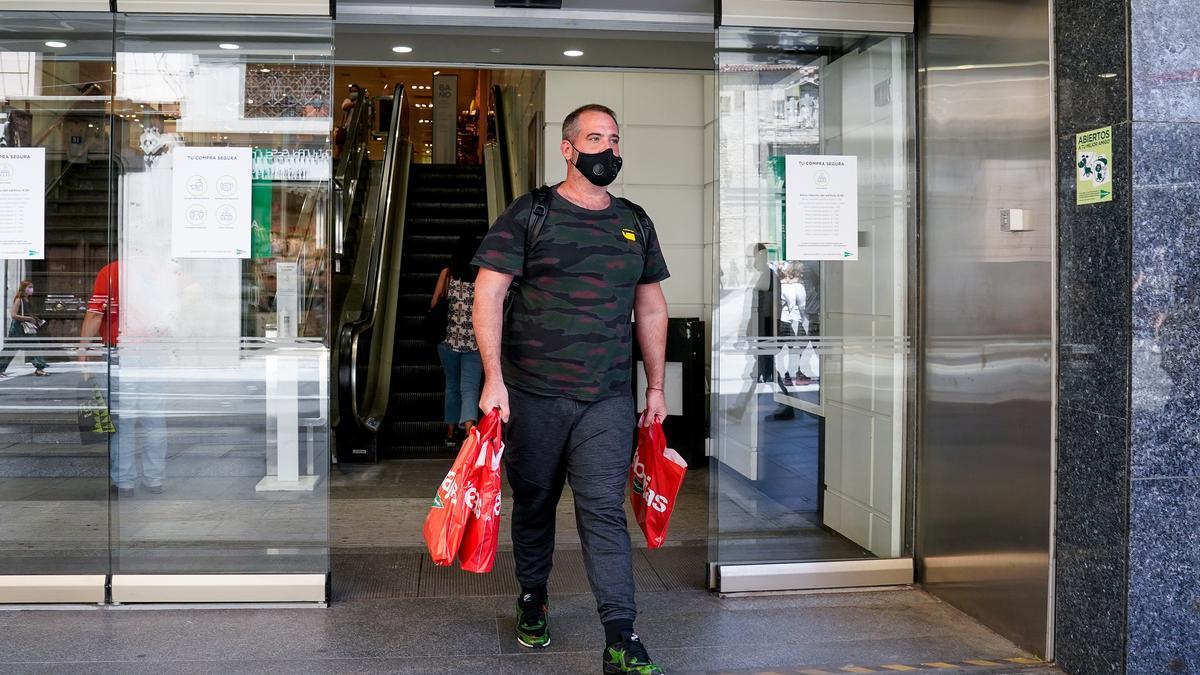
{"x":688,"y":631}
{"x":392,"y":613}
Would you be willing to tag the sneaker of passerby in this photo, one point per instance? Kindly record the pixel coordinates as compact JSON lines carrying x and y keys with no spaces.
{"x":533,"y":628}
{"x":628,"y":655}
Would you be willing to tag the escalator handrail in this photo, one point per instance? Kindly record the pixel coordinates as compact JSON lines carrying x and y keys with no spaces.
{"x":506,"y":152}
{"x":346,"y":178}
{"x":392,"y":199}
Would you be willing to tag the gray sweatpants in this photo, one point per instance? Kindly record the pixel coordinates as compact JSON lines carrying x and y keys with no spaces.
{"x":549,"y":441}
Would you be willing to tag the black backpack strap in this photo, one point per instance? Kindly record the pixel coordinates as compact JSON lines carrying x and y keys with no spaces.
{"x":537,"y":216}
{"x":644,"y":223}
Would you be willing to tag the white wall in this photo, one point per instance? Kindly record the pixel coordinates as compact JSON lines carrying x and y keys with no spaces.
{"x":862,"y":387}
{"x":665,"y":140}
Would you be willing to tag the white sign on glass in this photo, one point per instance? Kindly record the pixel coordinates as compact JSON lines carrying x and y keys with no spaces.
{"x":822,"y":207}
{"x":23,"y":203}
{"x":210,"y":203}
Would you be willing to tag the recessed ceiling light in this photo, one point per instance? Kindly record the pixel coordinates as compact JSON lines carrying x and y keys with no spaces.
{"x":264,"y":70}
{"x":495,"y":50}
{"x":437,"y":72}
{"x":56,"y":44}
{"x":573,"y":52}
{"x":229,"y":45}
{"x":1108,"y":76}
{"x":402,"y":49}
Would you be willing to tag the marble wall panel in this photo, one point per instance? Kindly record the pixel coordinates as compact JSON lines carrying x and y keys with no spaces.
{"x":1091,"y":59}
{"x":1164,"y":587}
{"x":1094,"y":286}
{"x":1090,"y":541}
{"x":1165,"y":40}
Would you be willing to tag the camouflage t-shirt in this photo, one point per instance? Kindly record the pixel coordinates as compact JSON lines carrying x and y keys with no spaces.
{"x":568,"y":333}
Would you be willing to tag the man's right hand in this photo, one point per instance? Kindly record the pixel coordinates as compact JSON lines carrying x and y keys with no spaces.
{"x":495,"y":395}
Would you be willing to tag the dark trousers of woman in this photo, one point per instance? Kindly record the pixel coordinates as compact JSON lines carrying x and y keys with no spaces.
{"x":16,"y":330}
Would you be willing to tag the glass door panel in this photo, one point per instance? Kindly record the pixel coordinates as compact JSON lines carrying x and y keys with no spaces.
{"x":55,"y":190}
{"x":220,"y":374}
{"x":811,"y":367}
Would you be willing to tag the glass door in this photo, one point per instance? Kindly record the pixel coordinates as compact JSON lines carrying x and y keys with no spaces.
{"x":220,"y":374}
{"x":811,"y":370}
{"x":56,"y":187}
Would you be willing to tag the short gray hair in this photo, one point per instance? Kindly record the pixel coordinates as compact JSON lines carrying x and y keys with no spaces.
{"x":570,"y":126}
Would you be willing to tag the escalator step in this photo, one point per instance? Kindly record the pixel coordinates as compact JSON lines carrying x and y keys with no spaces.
{"x":418,"y":282}
{"x":458,"y":208}
{"x":436,"y":223}
{"x":419,"y":379}
{"x":417,"y":452}
{"x":416,"y":407}
{"x":424,"y":262}
{"x":428,"y":243}
{"x":442,"y":193}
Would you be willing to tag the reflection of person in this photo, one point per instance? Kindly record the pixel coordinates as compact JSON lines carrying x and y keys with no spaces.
{"x":458,"y":352}
{"x":140,"y":417}
{"x":20,"y":318}
{"x":353,"y":95}
{"x":566,"y":371}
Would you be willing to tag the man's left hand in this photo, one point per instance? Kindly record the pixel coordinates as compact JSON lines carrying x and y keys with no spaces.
{"x":656,"y":407}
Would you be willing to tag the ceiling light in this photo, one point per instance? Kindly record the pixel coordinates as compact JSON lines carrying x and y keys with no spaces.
{"x":56,"y":44}
{"x":573,"y":52}
{"x":495,"y":50}
{"x":229,"y":45}
{"x":1108,"y":76}
{"x":264,"y":70}
{"x":437,"y":72}
{"x":402,"y":49}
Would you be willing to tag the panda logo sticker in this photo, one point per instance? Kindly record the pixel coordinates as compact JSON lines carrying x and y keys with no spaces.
{"x":1093,"y":166}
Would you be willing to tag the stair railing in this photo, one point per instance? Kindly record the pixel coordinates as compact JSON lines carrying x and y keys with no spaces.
{"x":366,"y":404}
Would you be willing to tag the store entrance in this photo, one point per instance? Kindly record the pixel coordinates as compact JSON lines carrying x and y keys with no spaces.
{"x":504,"y":141}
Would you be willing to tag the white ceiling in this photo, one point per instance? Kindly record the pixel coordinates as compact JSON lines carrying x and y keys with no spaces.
{"x":664,"y":34}
{"x":625,"y":15}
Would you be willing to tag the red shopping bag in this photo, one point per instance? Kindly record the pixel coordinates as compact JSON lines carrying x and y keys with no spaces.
{"x":654,"y":480}
{"x":482,"y":536}
{"x":447,"y":519}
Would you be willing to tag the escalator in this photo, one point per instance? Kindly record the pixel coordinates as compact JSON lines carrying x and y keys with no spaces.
{"x":389,"y":395}
{"x":369,"y":245}
{"x":445,"y":202}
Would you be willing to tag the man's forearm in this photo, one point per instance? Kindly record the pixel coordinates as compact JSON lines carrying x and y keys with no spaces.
{"x":487,"y":316}
{"x":652,"y":338}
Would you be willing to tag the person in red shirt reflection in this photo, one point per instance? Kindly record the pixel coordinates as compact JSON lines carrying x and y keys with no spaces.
{"x":140,"y":418}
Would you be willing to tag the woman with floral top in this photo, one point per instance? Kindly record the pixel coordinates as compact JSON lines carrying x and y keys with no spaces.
{"x":458,"y":352}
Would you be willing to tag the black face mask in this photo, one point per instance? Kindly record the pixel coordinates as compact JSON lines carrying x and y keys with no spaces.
{"x":600,"y":168}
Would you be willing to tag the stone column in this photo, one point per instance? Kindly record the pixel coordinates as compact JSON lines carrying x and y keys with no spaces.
{"x":1127,"y":579}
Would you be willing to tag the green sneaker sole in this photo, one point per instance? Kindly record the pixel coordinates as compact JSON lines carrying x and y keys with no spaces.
{"x":532,"y":644}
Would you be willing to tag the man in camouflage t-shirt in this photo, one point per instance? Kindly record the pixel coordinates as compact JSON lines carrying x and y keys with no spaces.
{"x":564,"y":374}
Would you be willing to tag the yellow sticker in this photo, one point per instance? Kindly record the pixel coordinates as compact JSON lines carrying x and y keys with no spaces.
{"x":629,"y":234}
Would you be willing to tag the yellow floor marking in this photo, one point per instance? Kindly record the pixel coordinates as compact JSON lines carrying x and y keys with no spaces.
{"x":856,"y":669}
{"x":981,"y":662}
{"x":897,"y":666}
{"x":815,"y":672}
{"x":941,"y":665}
{"x":1024,"y":660}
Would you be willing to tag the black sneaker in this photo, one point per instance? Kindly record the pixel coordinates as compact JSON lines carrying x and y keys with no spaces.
{"x":629,"y":656}
{"x":533,"y":630}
